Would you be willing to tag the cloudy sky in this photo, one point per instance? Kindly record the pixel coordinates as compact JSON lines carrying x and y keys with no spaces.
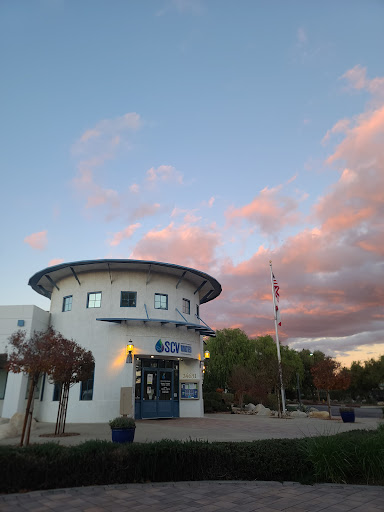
{"x":209,"y":133}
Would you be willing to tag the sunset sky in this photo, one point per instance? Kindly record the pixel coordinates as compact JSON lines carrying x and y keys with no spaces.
{"x":213,"y":134}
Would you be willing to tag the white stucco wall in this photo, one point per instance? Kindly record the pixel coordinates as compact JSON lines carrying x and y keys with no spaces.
{"x":35,"y":319}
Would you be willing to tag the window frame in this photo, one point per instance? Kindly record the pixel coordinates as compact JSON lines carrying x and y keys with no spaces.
{"x":161,"y":295}
{"x":128,"y":299}
{"x":186,"y":306}
{"x":93,"y":293}
{"x":64,"y":310}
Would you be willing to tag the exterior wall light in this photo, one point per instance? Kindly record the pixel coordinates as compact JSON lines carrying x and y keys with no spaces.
{"x":207,"y":354}
{"x":129,"y":352}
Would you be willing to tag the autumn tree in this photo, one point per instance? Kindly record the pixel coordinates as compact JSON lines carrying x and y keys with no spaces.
{"x":71,"y":364}
{"x":32,"y":356}
{"x":329,"y":375}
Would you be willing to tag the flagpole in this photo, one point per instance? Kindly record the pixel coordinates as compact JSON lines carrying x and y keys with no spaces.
{"x":277,"y":343}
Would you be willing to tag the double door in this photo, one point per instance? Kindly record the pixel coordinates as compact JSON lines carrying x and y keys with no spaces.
{"x":159,"y":391}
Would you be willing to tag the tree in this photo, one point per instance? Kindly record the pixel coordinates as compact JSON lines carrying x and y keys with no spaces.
{"x":71,"y":364}
{"x":229,"y":348}
{"x":242,"y":381}
{"x":63,"y":360}
{"x":32,"y":356}
{"x":309,"y":359}
{"x":328,"y":375}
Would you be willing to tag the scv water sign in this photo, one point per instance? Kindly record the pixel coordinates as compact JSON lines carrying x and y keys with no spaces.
{"x":172,"y":347}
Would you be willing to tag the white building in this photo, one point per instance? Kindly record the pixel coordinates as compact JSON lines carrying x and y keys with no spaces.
{"x":106,"y":305}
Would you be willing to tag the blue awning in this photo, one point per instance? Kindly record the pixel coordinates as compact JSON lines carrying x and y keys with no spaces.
{"x":203,"y":330}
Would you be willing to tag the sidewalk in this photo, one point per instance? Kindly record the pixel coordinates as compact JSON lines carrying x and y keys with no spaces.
{"x":201,"y":496}
{"x":213,"y":427}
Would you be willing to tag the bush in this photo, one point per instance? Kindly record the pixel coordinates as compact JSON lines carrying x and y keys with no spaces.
{"x":355,"y":457}
{"x":122,"y":422}
{"x":102,"y":462}
{"x":213,"y":402}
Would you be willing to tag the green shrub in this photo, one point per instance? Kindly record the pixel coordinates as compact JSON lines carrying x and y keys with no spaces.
{"x":122,"y":422}
{"x":355,"y":457}
{"x":213,"y":402}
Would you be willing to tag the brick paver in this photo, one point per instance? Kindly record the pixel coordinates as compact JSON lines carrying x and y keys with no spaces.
{"x":201,"y":496}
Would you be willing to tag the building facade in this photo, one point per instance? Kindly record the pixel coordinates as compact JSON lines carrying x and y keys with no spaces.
{"x":140,"y":319}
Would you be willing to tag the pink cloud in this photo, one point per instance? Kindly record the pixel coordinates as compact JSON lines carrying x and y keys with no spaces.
{"x":125,"y":233}
{"x":270,"y":211}
{"x":164,"y":173}
{"x":56,"y":261}
{"x":37,"y":241}
{"x":145,"y":210}
{"x":191,"y":246}
{"x":134,"y":188}
{"x":211,"y":201}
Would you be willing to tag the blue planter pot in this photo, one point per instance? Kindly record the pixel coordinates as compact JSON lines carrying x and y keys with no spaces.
{"x":123,"y":435}
{"x":348,"y":416}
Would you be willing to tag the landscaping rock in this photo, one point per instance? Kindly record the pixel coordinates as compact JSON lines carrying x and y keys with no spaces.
{"x":319,"y":414}
{"x":262,"y":411}
{"x":313,"y":409}
{"x":250,"y":407}
{"x":298,"y":414}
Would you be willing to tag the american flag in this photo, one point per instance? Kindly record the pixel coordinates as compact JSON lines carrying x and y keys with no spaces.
{"x":276,"y":289}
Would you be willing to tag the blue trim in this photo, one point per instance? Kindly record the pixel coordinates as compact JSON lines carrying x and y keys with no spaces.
{"x":182,"y":316}
{"x":203,"y":330}
{"x":146,"y":312}
{"x":200,"y":287}
{"x":52,"y":282}
{"x":75,"y":275}
{"x":181,"y":278}
{"x":63,"y":270}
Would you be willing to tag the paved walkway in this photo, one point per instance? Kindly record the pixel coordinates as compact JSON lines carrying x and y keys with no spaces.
{"x":201,"y":496}
{"x":213,"y":427}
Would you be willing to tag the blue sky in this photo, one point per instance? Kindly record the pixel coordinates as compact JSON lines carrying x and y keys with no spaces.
{"x":195,"y":132}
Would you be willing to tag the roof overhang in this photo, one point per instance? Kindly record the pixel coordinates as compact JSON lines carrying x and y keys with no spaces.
{"x":203,"y":330}
{"x":46,"y":280}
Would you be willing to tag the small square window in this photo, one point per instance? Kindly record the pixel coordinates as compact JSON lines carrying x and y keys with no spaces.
{"x":128,"y":299}
{"x":67,"y":303}
{"x":186,"y":306}
{"x":161,"y":301}
{"x":20,"y":323}
{"x":94,"y":300}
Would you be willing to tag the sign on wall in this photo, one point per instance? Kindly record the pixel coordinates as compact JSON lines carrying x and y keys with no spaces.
{"x":189,"y":390}
{"x":173,"y":347}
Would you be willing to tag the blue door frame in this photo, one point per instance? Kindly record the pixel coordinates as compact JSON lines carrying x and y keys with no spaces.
{"x":159,"y":394}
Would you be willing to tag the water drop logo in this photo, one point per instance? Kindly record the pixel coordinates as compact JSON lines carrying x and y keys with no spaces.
{"x":159,"y":346}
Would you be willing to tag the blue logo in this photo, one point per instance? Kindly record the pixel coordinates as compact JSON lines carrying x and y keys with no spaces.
{"x":159,"y":346}
{"x":172,"y":347}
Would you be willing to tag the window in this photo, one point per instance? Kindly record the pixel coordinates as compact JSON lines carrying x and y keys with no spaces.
{"x":86,"y":388}
{"x":197,"y":311}
{"x":56,"y":392}
{"x":3,"y":382}
{"x":67,"y":303}
{"x":128,"y":299}
{"x":186,"y":306}
{"x":161,"y":301}
{"x":94,"y":300}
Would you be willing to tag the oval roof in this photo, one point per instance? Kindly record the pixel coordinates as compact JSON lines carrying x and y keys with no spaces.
{"x":44,"y":281}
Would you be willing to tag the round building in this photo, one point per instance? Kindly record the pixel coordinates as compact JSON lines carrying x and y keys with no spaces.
{"x":141,"y":320}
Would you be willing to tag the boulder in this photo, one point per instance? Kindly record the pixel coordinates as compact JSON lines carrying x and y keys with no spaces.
{"x":298,"y":414}
{"x":250,"y":407}
{"x":313,"y":409}
{"x":262,"y":411}
{"x":323,"y":415}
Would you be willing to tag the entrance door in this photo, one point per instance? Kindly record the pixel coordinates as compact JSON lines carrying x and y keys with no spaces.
{"x":157,"y":389}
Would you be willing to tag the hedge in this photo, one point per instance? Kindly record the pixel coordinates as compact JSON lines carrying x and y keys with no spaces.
{"x":47,"y":466}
